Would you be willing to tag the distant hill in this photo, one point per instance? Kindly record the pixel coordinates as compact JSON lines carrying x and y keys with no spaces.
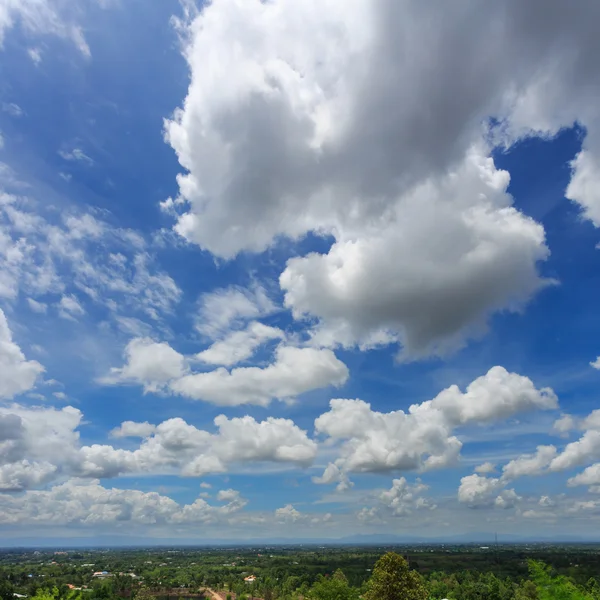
{"x":382,"y":539}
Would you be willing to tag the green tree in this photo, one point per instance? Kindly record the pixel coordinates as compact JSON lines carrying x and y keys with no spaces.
{"x":6,"y":590}
{"x":393,"y":580}
{"x":551,"y":587}
{"x":332,"y":588}
{"x":43,"y":594}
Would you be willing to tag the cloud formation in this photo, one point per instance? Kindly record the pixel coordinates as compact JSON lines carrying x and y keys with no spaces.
{"x":17,"y":374}
{"x":293,"y":371}
{"x":423,"y":438}
{"x":316,"y":122}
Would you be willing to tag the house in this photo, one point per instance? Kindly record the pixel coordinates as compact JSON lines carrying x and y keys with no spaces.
{"x":250,"y":579}
{"x":19,"y":595}
{"x":101,"y":574}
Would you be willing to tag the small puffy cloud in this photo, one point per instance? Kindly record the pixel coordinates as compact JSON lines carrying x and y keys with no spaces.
{"x":17,"y":374}
{"x":205,"y":485}
{"x":239,"y":345}
{"x":477,"y":492}
{"x":401,"y":500}
{"x":564,"y":425}
{"x":149,"y":363}
{"x":333,"y":474}
{"x":485,"y":468}
{"x":529,"y":464}
{"x":69,"y":308}
{"x":287,"y":514}
{"x":590,"y":476}
{"x":133,"y":429}
{"x":596,"y":363}
{"x":403,"y":497}
{"x":507,"y":499}
{"x":546,"y":502}
{"x":225,"y":309}
{"x":423,"y":438}
{"x":586,"y":449}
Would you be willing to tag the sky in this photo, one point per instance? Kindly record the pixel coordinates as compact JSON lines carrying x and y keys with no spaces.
{"x":298,"y":269}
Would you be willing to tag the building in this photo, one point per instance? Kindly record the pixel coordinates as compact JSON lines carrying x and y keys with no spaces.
{"x":101,"y":574}
{"x":250,"y":579}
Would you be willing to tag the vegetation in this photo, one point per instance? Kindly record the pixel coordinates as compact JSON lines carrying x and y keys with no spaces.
{"x":317,"y":573}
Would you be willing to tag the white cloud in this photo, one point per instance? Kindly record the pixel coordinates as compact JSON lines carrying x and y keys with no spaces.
{"x":78,"y":257}
{"x":36,"y":444}
{"x":585,"y":185}
{"x":585,"y":449}
{"x":293,"y":371}
{"x":485,"y":468}
{"x":87,"y":503}
{"x":239,"y":345}
{"x":14,"y":110}
{"x":563,"y":425}
{"x":459,"y":253}
{"x":229,"y":308}
{"x":477,"y":491}
{"x":133,"y":429}
{"x":387,"y":155}
{"x":590,"y":476}
{"x":42,"y":17}
{"x":35,"y":54}
{"x":17,"y":374}
{"x":69,"y":308}
{"x":422,"y":438}
{"x":529,"y":464}
{"x":403,"y":497}
{"x":151,"y":363}
{"x":37,"y":307}
{"x":287,"y":514}
{"x":77,"y":154}
{"x":596,"y":363}
{"x":20,"y":475}
{"x":176,"y":446}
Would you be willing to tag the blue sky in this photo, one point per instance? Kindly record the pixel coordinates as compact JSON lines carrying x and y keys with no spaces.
{"x":269,"y":270}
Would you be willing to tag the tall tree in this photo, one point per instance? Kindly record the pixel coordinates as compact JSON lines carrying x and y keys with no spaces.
{"x":393,"y":580}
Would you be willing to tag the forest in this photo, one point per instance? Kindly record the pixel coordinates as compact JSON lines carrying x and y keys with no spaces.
{"x":301,"y":573}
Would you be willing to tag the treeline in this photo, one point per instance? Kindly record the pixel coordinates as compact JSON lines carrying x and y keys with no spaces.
{"x":391,"y":579}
